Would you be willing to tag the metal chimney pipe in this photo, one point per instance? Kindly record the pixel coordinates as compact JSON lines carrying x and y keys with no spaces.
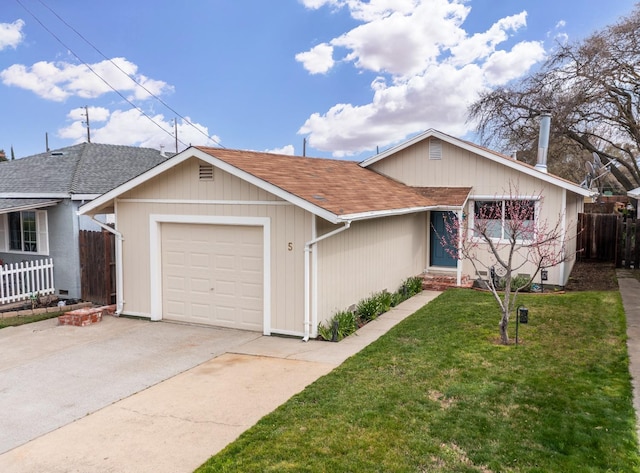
{"x":543,"y":140}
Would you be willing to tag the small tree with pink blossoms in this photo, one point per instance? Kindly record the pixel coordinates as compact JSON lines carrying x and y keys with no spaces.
{"x":503,"y":237}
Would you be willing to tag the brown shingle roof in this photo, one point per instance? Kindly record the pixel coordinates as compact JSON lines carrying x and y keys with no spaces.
{"x":446,"y":196}
{"x":340,"y":187}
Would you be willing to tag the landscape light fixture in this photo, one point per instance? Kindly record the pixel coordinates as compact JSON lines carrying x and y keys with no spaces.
{"x":522,"y":317}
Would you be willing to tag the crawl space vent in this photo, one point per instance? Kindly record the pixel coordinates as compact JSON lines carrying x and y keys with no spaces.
{"x":206,"y":172}
{"x":435,"y":148}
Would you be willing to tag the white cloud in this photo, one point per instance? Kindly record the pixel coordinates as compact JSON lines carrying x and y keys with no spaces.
{"x":318,"y":60}
{"x":58,"y":81}
{"x":11,"y":34}
{"x":287,"y":149}
{"x":502,"y":66}
{"x":480,"y":45}
{"x":430,"y":69}
{"x":436,"y":99}
{"x":132,"y":128}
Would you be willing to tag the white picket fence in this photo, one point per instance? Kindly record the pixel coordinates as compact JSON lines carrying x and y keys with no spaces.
{"x":21,"y":281}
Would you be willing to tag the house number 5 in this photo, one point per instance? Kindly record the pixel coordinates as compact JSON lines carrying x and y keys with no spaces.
{"x":290,"y":246}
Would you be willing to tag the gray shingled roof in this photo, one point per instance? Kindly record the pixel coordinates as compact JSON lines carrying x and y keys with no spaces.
{"x":87,"y":168}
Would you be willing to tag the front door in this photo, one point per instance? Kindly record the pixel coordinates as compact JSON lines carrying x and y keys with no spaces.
{"x":439,"y":256}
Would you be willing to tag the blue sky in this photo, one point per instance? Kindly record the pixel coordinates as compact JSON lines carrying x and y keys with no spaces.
{"x":349,"y":76}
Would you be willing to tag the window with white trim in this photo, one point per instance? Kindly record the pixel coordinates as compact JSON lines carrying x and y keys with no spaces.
{"x":24,"y":232}
{"x":500,"y":219}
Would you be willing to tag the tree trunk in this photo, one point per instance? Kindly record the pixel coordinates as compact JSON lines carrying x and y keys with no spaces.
{"x":504,"y":323}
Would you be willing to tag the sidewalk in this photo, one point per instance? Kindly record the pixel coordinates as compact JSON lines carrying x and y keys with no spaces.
{"x":176,"y":425}
{"x":630,"y":292}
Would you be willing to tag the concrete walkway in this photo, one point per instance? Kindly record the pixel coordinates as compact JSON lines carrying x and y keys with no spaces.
{"x":630,"y":292}
{"x":176,"y":425}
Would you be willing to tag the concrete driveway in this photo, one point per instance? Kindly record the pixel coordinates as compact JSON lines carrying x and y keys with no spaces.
{"x":134,"y":396}
{"x":52,"y":375}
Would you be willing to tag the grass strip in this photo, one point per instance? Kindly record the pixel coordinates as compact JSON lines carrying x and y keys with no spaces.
{"x":26,"y":319}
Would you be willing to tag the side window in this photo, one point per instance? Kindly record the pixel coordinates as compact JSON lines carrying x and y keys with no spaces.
{"x":24,"y":233}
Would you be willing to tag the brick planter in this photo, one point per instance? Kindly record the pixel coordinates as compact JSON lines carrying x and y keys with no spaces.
{"x":86,"y":316}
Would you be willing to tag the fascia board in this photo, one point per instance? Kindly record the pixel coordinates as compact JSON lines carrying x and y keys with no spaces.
{"x":136,"y":181}
{"x":84,"y":196}
{"x":381,"y":214}
{"x":35,"y":195}
{"x":405,"y":144}
{"x":484,"y":153}
{"x":19,"y":208}
{"x":223,"y":165}
{"x":634,"y":193}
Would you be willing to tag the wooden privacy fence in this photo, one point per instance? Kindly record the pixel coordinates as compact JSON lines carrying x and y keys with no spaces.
{"x":597,"y":236}
{"x":609,"y":237}
{"x":21,"y":281}
{"x":98,"y":267}
{"x":628,"y":247}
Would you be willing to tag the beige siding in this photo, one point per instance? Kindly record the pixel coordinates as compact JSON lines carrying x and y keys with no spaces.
{"x":462,"y":168}
{"x":290,"y":229}
{"x":371,"y":256}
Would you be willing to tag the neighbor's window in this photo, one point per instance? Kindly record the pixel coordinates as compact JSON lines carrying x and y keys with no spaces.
{"x":23,"y":234}
{"x":500,"y":219}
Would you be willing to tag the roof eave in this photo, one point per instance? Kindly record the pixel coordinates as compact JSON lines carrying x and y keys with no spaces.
{"x":194,"y":152}
{"x":36,"y":195}
{"x":84,"y":196}
{"x":384,"y":213}
{"x":482,"y":152}
{"x":20,"y":208}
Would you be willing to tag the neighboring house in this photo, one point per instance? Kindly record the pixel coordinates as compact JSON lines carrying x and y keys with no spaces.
{"x":40,"y":196}
{"x":276,"y":243}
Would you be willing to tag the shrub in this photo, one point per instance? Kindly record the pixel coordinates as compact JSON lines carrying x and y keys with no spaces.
{"x":397,"y":297}
{"x":414,"y":285}
{"x":384,"y":301}
{"x":516,"y":281}
{"x":368,"y":309}
{"x":344,"y":324}
{"x":519,"y":281}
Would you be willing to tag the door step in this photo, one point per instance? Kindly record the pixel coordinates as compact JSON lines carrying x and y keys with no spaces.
{"x":442,"y":282}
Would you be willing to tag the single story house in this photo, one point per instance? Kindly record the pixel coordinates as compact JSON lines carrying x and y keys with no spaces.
{"x":40,"y":196}
{"x":277,"y":244}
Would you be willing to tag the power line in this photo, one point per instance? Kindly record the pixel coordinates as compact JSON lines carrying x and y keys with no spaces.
{"x":184,"y":119}
{"x":105,"y":81}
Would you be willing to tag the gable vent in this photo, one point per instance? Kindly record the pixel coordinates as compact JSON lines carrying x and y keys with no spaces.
{"x":435,"y":148}
{"x":206,"y":172}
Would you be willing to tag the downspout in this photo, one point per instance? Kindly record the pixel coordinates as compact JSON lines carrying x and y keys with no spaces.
{"x":563,"y":237}
{"x":307,"y":276}
{"x":119,"y":275}
{"x":460,"y":240}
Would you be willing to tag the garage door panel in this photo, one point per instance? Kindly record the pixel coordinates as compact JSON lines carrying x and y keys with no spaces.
{"x":213,"y":274}
{"x":174,"y":257}
{"x":251,"y":264}
{"x":199,"y":260}
{"x":251,"y":291}
{"x":224,"y":262}
{"x":202,"y":286}
{"x":174,"y":308}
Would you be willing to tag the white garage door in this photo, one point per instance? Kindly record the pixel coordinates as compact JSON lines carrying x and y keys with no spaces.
{"x":213,"y":274}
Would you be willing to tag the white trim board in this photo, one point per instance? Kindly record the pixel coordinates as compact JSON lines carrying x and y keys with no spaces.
{"x":155,"y":253}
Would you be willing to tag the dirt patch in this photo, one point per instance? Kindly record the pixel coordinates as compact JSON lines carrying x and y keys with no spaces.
{"x":592,"y":276}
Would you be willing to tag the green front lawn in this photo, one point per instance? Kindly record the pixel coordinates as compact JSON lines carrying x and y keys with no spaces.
{"x":438,"y":394}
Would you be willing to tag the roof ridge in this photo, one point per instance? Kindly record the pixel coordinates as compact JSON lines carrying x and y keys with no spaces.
{"x":74,"y":177}
{"x":207,"y":150}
